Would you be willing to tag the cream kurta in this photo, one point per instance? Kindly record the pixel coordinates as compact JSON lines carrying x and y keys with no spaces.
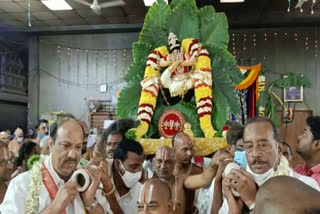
{"x":14,"y":201}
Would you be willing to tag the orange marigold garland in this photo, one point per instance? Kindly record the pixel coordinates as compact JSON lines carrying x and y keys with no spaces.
{"x":150,"y":89}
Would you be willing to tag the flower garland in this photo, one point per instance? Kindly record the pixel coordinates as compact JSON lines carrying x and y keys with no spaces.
{"x":150,"y":90}
{"x":32,"y":201}
{"x":201,"y":81}
{"x":261,"y":87}
{"x":247,"y":82}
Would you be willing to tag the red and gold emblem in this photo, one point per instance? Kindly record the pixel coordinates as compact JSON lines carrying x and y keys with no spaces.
{"x":170,"y":123}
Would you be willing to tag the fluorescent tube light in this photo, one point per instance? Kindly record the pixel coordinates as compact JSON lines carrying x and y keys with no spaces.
{"x":149,"y":3}
{"x":231,"y":1}
{"x":56,"y":4}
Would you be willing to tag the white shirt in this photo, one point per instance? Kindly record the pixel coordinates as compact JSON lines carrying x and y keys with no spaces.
{"x":127,"y":202}
{"x":307,"y":180}
{"x":14,"y":201}
{"x":205,"y":199}
{"x":147,"y":167}
{"x":206,"y":162}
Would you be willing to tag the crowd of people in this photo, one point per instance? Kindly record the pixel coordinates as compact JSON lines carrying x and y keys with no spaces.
{"x":262,"y":178}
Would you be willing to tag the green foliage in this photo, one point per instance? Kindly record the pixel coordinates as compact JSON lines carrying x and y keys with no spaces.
{"x":140,"y":55}
{"x":263,"y":99}
{"x":271,"y":110}
{"x":213,"y":28}
{"x":128,"y":101}
{"x":292,"y":80}
{"x":155,"y":28}
{"x":175,"y":3}
{"x":183,"y":21}
{"x":225,"y":76}
{"x":32,"y":160}
{"x":221,"y":109}
{"x":269,"y":99}
{"x":131,"y":134}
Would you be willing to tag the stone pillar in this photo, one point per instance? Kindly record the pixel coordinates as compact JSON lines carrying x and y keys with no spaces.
{"x":33,"y":81}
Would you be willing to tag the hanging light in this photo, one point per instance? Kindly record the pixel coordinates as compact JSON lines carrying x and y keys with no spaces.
{"x":231,"y":1}
{"x":149,"y":3}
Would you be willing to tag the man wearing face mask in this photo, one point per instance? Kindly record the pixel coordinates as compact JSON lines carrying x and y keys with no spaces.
{"x":123,"y":175}
{"x":42,"y":129}
{"x":15,"y":144}
{"x":264,"y":162}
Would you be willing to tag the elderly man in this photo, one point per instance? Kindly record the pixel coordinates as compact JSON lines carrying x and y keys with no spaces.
{"x":15,"y":144}
{"x":47,"y":188}
{"x":121,"y":177}
{"x":6,"y":168}
{"x":284,"y":194}
{"x":264,"y":162}
{"x":155,"y":197}
{"x":309,"y":149}
{"x":4,"y":137}
{"x":180,"y":185}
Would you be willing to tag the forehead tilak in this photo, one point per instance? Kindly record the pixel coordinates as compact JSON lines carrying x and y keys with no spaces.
{"x":146,"y":193}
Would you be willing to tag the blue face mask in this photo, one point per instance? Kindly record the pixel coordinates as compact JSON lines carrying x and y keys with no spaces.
{"x":42,"y":136}
{"x":240,"y":158}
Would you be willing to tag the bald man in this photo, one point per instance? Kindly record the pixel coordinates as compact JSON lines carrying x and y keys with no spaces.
{"x":155,"y":198}
{"x":180,"y":185}
{"x":183,"y":148}
{"x":17,"y":141}
{"x":4,"y":137}
{"x":284,"y":194}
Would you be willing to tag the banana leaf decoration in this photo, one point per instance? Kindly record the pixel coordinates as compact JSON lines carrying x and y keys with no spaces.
{"x":184,"y":19}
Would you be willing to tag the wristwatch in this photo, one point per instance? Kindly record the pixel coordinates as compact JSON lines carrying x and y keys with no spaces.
{"x":92,"y":206}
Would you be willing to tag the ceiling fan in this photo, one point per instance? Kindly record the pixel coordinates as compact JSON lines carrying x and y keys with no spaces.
{"x":96,"y":7}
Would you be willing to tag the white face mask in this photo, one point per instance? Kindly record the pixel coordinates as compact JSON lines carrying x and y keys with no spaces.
{"x":19,"y":139}
{"x":130,"y":179}
{"x":262,"y":178}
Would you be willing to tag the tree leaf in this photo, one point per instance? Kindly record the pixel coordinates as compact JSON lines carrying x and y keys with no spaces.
{"x":221,"y":109}
{"x":292,"y":80}
{"x":141,"y":51}
{"x":128,"y":101}
{"x":175,"y":3}
{"x":225,"y":76}
{"x":140,"y":56}
{"x":155,"y":28}
{"x":213,"y":27}
{"x":263,"y":99}
{"x":271,"y":111}
{"x":222,"y":58}
{"x":183,"y":21}
{"x":135,"y":72}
